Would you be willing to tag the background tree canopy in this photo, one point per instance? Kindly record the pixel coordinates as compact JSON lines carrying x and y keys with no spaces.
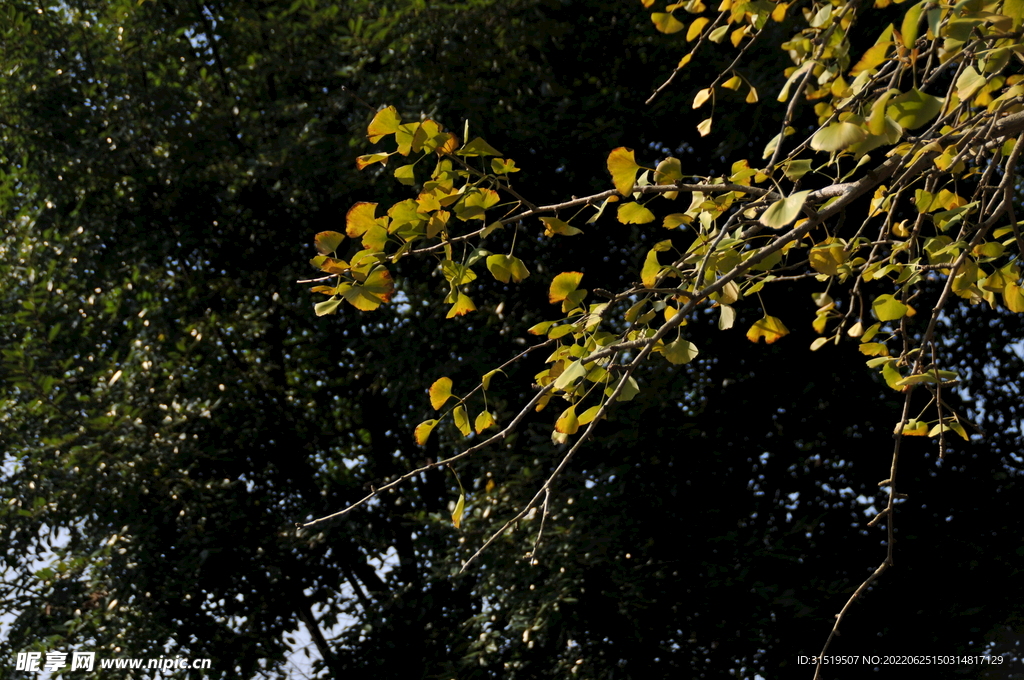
{"x":171,"y":405}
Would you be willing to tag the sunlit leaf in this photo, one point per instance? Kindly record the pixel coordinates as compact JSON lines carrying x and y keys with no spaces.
{"x":553,"y":225}
{"x":460,"y":509}
{"x":463,"y":305}
{"x":461,"y":418}
{"x":375,"y":290}
{"x":634,"y":213}
{"x":563,"y":285}
{"x":913,"y":109}
{"x":837,"y":136}
{"x":726,"y":317}
{"x":371,"y":158}
{"x":423,"y":431}
{"x":440,"y":392}
{"x":328,"y":241}
{"x":486,"y":379}
{"x":695,"y":28}
{"x":386,"y":122}
{"x":784,"y":211}
{"x":568,"y":423}
{"x":478,"y":147}
{"x":888,"y":308}
{"x":651,"y":269}
{"x":359,"y":219}
{"x":680,"y":352}
{"x":623,"y":168}
{"x":770,"y":328}
{"x":483,"y":422}
{"x":327,"y":306}
{"x":666,"y":23}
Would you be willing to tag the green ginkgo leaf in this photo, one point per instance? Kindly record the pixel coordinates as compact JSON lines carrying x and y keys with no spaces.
{"x":781,"y":213}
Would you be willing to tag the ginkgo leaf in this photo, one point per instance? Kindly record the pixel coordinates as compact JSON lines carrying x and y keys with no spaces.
{"x":913,"y":109}
{"x":666,"y":23}
{"x":460,"y":509}
{"x":669,"y":170}
{"x":423,"y":431}
{"x":888,"y":308}
{"x":915,"y":428}
{"x":386,"y":122}
{"x":461,"y":418}
{"x":503,"y":166}
{"x":570,"y":375}
{"x":406,"y":174}
{"x":589,"y":415}
{"x":651,"y":269}
{"x":837,"y":136}
{"x":634,"y":213}
{"x":328,"y":241}
{"x":478,"y":147}
{"x":486,"y":379}
{"x":704,"y":127}
{"x":327,"y":306}
{"x":463,"y":305}
{"x":695,"y":28}
{"x":360,"y":218}
{"x":1013,"y":298}
{"x":371,"y":158}
{"x":702,"y":96}
{"x":553,"y":225}
{"x":827,"y":258}
{"x":375,"y":290}
{"x":568,"y":423}
{"x":909,"y":27}
{"x":726,"y":317}
{"x":483,"y":421}
{"x":680,"y":352}
{"x":623,"y":168}
{"x":782,"y":212}
{"x":440,"y":392}
{"x":770,"y":328}
{"x":563,"y":285}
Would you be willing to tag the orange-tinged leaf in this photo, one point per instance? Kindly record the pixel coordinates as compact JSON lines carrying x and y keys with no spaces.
{"x":563,"y":285}
{"x":623,"y":168}
{"x":483,"y":421}
{"x":770,"y":328}
{"x":328,"y":241}
{"x":568,"y":423}
{"x":423,"y":431}
{"x":375,"y":290}
{"x":371,"y":158}
{"x":463,"y":305}
{"x":440,"y":392}
{"x":915,"y":428}
{"x":386,"y":122}
{"x":360,"y":218}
